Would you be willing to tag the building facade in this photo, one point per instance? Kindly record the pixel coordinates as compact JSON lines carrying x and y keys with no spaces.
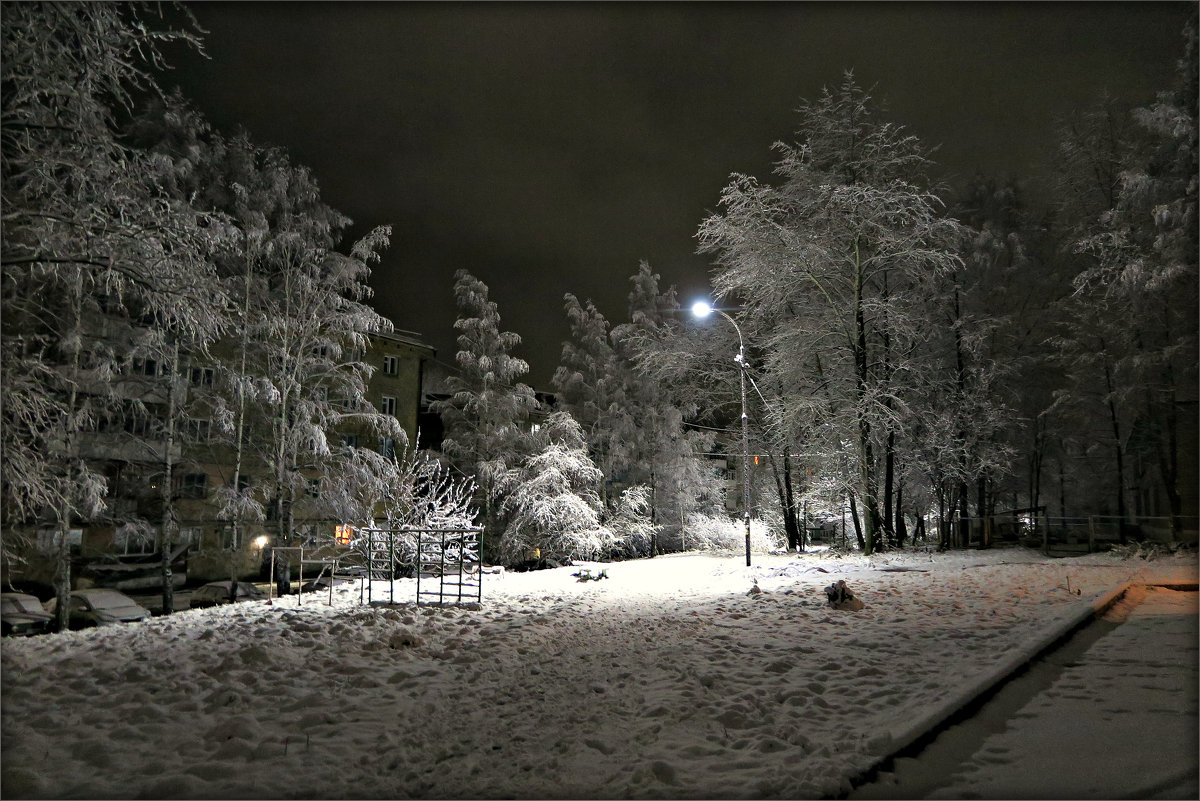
{"x":130,"y":447}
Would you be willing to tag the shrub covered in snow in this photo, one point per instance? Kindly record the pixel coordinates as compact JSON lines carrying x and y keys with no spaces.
{"x":552,"y":502}
{"x":720,"y":533}
{"x":631,"y":521}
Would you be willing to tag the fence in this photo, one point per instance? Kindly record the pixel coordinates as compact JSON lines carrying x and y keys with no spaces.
{"x":1073,"y":535}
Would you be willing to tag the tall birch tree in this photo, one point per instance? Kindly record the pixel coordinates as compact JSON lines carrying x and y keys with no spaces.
{"x":85,"y":218}
{"x":828,"y":264}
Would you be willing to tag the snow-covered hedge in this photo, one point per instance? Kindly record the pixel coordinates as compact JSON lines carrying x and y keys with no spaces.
{"x":720,"y":533}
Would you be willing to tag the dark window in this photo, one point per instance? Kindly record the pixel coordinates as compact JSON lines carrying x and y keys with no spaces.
{"x":201,"y":376}
{"x":194,"y":485}
{"x":198,"y":430}
{"x":145,"y":367}
{"x":143,"y":426}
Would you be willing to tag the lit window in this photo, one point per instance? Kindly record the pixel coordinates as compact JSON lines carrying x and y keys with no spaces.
{"x":342,"y":534}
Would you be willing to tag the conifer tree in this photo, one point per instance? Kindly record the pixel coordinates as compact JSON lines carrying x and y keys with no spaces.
{"x":486,"y":417}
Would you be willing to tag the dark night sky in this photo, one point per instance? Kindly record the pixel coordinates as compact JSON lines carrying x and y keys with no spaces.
{"x":549,"y":148}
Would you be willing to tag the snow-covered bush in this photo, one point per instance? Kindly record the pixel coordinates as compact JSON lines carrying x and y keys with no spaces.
{"x":552,"y":502}
{"x":411,"y":490}
{"x":720,"y":533}
{"x":631,"y":521}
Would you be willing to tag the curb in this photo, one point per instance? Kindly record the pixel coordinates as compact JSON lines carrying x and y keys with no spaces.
{"x":908,"y":739}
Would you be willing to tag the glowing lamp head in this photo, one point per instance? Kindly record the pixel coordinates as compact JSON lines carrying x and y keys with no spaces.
{"x":701,"y":309}
{"x":261,"y":542}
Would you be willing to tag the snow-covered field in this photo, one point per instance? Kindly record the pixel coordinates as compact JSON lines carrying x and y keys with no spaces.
{"x":671,"y":678}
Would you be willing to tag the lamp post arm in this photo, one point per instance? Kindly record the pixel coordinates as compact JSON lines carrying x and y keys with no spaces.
{"x":741,"y":345}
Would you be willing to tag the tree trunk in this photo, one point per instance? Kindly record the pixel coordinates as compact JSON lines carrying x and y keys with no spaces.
{"x":858,"y":532}
{"x":901,"y":530}
{"x":65,"y":507}
{"x":62,"y":571}
{"x":889,"y":471}
{"x":1062,"y":489}
{"x":653,"y":513}
{"x":790,"y":499}
{"x":943,"y":533}
{"x":783,"y":489}
{"x":866,"y":458}
{"x":239,"y":435}
{"x":169,"y":522}
{"x":1118,"y":451}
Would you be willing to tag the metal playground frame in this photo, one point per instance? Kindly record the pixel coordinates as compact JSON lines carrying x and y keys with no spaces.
{"x":446,"y":562}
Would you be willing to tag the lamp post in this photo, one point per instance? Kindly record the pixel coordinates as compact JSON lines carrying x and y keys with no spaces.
{"x":701,"y":309}
{"x":260,"y":543}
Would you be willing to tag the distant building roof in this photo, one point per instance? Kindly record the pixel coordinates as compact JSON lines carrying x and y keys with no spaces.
{"x":410,"y":338}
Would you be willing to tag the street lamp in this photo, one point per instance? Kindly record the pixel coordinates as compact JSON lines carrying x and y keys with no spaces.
{"x":701,"y":309}
{"x":260,"y":542}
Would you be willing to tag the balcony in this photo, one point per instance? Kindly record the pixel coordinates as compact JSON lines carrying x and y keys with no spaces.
{"x":123,"y":447}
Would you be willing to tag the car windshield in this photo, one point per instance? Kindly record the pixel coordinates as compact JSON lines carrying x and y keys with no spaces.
{"x":110,"y":600}
{"x":24,"y":603}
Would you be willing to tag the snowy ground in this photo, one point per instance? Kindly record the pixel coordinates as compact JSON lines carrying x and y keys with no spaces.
{"x":671,"y":678}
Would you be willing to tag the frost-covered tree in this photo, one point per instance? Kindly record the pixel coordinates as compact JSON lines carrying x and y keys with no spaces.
{"x":179,"y":138}
{"x":665,"y":456}
{"x":486,"y":416}
{"x":401,"y":491}
{"x":552,"y":499}
{"x":632,"y":421}
{"x":87,"y":222}
{"x":289,"y":376}
{"x":592,"y":384}
{"x":1143,"y":272}
{"x":314,"y":334}
{"x":830,"y":266}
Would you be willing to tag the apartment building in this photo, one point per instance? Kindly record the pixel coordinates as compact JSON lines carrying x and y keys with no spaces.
{"x":130,"y":448}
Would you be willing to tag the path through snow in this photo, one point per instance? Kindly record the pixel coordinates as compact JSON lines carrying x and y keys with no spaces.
{"x":668,"y":679}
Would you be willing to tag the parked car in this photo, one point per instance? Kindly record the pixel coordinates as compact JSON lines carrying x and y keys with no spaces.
{"x":21,"y":615}
{"x":99,"y":607}
{"x":215,"y":593}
